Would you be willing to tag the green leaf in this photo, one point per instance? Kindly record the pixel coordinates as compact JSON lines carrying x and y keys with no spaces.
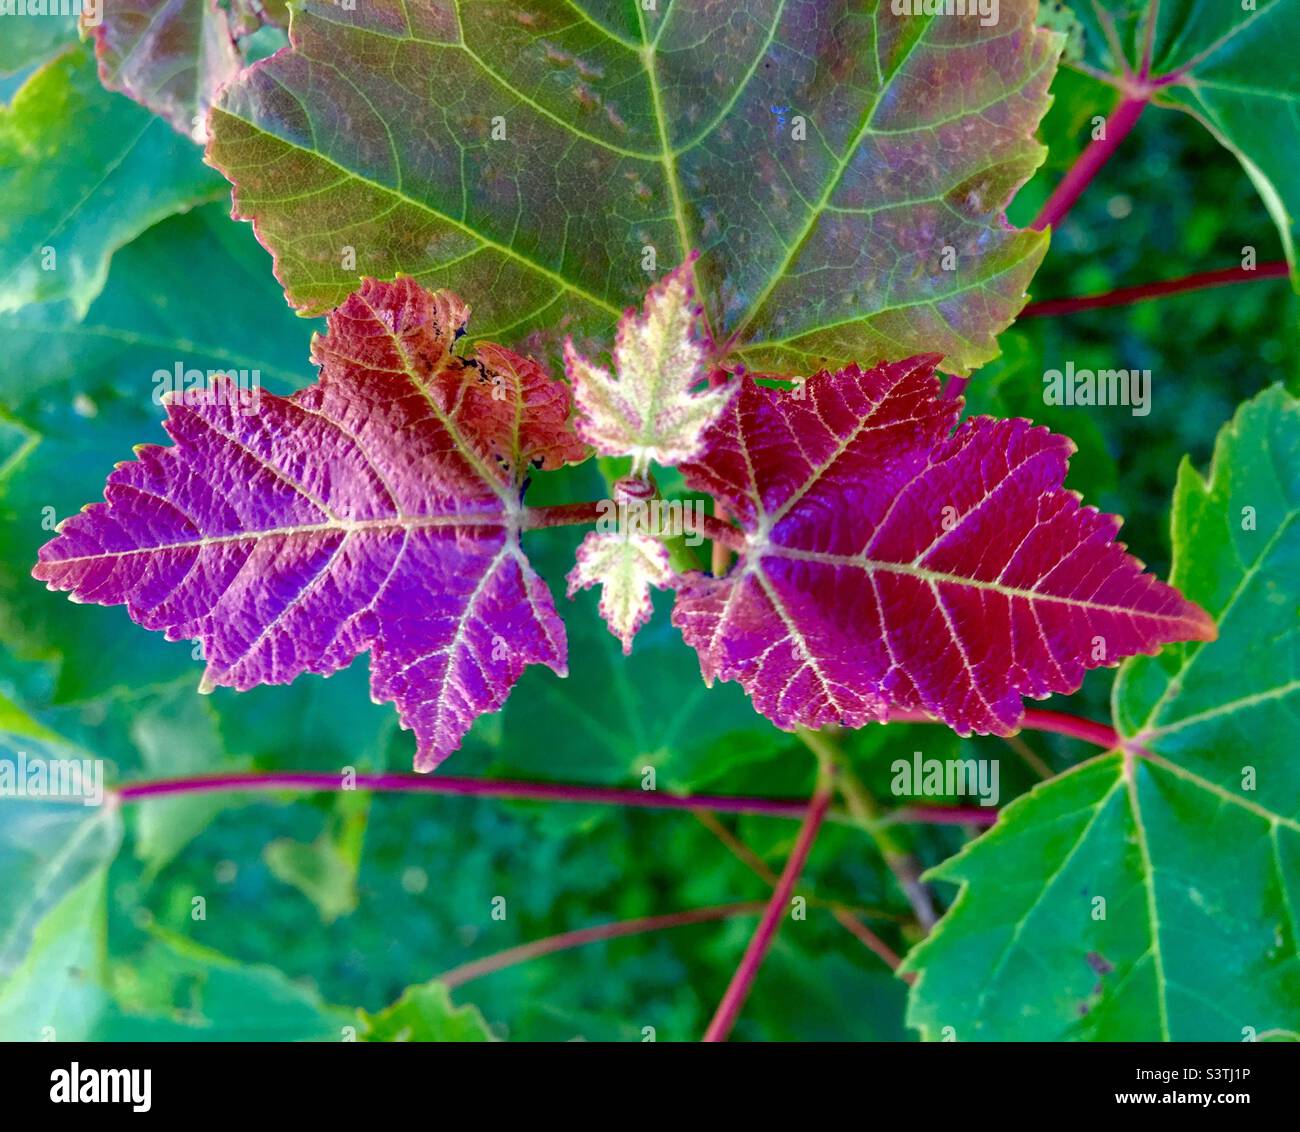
{"x":82,"y":172}
{"x":1228,"y":75}
{"x":28,"y":43}
{"x":550,"y":159}
{"x":425,"y":1014}
{"x":56,"y":994}
{"x":178,"y":990}
{"x":325,"y":870}
{"x":1190,"y":835}
{"x":177,"y":737}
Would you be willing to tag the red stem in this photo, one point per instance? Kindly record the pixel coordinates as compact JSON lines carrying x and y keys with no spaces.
{"x":1059,"y":722}
{"x":1126,"y":295}
{"x":743,"y":979}
{"x":1117,"y":128}
{"x":312,"y":781}
{"x":459,"y":976}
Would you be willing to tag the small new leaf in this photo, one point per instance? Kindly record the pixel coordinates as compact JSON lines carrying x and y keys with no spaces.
{"x":649,"y":411}
{"x":625,"y":565}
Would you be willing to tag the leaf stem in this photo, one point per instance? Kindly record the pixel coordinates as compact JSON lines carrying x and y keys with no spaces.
{"x":1081,"y":173}
{"x":512,"y":956}
{"x":743,"y":979}
{"x":1123,"y":296}
{"x":1037,"y":719}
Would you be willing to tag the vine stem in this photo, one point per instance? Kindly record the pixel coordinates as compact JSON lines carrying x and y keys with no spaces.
{"x":1081,"y":173}
{"x":743,"y":979}
{"x":313,"y":781}
{"x":324,"y":781}
{"x":512,"y":956}
{"x":1124,"y":296}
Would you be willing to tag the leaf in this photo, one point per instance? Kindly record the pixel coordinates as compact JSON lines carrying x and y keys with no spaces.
{"x":649,"y":411}
{"x":1218,"y":62}
{"x":56,"y":993}
{"x":541,"y":156}
{"x":29,"y":43}
{"x":1195,"y":859}
{"x":82,"y":172}
{"x":625,"y":565}
{"x":177,"y":738}
{"x":893,"y":563}
{"x":177,"y":990}
{"x":376,"y":510}
{"x":325,"y":870}
{"x":425,"y":1014}
{"x":174,"y":55}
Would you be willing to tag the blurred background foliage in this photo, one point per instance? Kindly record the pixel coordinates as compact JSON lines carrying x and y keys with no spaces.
{"x":315,"y":907}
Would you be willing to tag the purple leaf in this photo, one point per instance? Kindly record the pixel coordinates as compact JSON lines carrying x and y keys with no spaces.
{"x":894,"y":563}
{"x":377,"y":510}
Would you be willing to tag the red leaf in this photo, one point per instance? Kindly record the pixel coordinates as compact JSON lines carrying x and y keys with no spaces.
{"x":378,"y":509}
{"x":894,"y":563}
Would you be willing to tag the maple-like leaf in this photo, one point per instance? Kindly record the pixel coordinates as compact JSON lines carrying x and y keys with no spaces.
{"x":625,"y":565}
{"x":894,"y":563}
{"x":378,"y":509}
{"x":649,"y":411}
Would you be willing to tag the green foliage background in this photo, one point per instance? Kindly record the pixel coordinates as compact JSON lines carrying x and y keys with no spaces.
{"x":319,"y":907}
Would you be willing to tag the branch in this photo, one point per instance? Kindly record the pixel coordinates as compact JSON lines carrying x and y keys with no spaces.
{"x":512,"y":956}
{"x":1117,"y":127}
{"x":1126,"y":295}
{"x":743,"y":979}
{"x":321,"y":781}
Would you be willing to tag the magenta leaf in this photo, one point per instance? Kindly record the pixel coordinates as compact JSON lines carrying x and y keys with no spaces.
{"x":378,"y":509}
{"x":892,"y":562}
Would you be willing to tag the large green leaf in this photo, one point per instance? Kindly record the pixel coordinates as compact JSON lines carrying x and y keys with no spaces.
{"x":1228,"y":72}
{"x":82,"y":172}
{"x":1190,"y":834}
{"x":821,"y":156}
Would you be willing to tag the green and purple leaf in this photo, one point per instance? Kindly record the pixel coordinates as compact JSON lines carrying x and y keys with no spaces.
{"x":844,"y":171}
{"x":378,"y":509}
{"x":894,"y":563}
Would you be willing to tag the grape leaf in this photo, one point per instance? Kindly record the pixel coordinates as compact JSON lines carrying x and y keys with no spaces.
{"x":829,"y":159}
{"x":376,"y":510}
{"x":82,"y":172}
{"x":625,"y":565}
{"x":1190,"y":834}
{"x":649,"y":411}
{"x":174,"y":55}
{"x":1219,"y":63}
{"x":893,"y":563}
{"x":425,"y":1013}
